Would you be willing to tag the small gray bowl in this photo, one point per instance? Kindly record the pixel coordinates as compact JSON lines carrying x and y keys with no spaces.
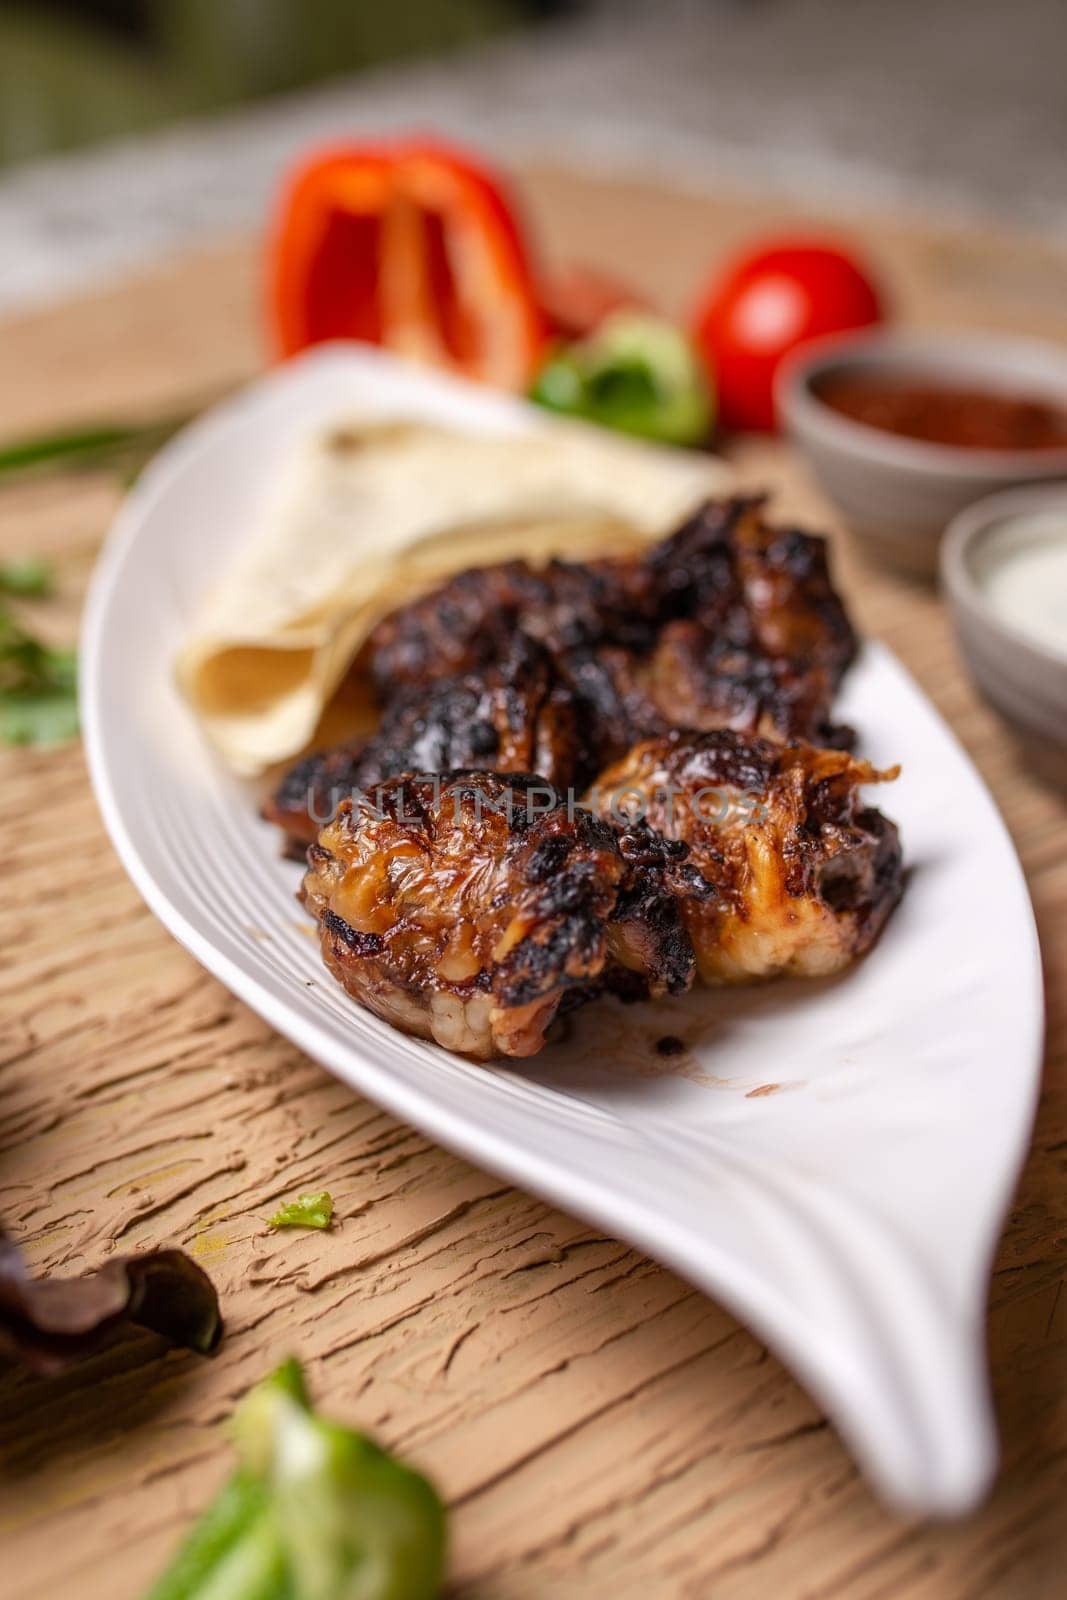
{"x":898,"y":494}
{"x":1023,"y":677}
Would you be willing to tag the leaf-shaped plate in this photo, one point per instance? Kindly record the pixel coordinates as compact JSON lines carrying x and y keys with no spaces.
{"x":847,"y":1210}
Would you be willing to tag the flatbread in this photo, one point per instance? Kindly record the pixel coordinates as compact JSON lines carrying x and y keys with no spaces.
{"x":367,"y":516}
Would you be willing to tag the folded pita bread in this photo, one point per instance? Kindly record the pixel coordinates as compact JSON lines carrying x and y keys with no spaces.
{"x":369,"y":516}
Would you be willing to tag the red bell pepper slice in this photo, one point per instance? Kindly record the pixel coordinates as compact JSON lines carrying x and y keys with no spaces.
{"x":408,"y":245}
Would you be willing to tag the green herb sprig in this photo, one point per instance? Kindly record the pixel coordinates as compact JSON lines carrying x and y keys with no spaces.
{"x":38,"y":684}
{"x":122,"y":445}
{"x":27,"y":577}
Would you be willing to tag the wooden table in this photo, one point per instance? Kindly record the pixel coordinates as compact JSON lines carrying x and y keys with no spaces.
{"x":597,"y":1426}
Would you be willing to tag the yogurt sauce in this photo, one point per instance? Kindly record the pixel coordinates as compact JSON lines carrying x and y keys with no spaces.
{"x":1024,"y":576}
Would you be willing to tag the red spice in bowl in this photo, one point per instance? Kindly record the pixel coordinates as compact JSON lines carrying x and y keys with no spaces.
{"x":949,"y":414}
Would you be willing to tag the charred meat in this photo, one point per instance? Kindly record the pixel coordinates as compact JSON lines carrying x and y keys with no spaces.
{"x":471,"y":619}
{"x":805,"y":873}
{"x":729,"y":623}
{"x":762,"y":587}
{"x":469,"y":908}
{"x":701,"y":679}
{"x":738,"y":617}
{"x":726,"y":833}
{"x":514,"y":715}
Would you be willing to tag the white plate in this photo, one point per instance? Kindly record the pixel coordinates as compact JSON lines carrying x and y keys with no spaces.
{"x":849,"y":1214}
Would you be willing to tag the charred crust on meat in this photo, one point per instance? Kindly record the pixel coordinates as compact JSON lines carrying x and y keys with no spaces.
{"x":463,"y":910}
{"x":804,"y":873}
{"x":559,"y":670}
{"x":360,"y":944}
{"x":461,"y":899}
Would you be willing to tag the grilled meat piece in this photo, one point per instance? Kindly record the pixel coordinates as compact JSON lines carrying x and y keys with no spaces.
{"x":512,"y":716}
{"x":729,"y":622}
{"x":697,"y":678}
{"x":311,"y":791}
{"x":762,"y":588}
{"x":460,"y":909}
{"x":559,"y":671}
{"x":698,"y":681}
{"x":613,"y":701}
{"x":651,"y":950}
{"x":760,"y":638}
{"x":471,"y":619}
{"x":805,"y":875}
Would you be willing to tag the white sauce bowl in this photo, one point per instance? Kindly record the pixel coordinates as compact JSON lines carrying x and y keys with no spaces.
{"x":1004,"y":571}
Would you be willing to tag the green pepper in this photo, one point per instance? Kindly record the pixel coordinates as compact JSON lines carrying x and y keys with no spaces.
{"x":313,"y":1512}
{"x":637,"y":374}
{"x":356,"y":1524}
{"x":234,"y":1551}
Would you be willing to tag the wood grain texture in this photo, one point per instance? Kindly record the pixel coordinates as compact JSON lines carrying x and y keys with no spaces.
{"x":597,"y":1426}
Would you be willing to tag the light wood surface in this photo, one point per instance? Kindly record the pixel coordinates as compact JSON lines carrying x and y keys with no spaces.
{"x":596,"y":1426}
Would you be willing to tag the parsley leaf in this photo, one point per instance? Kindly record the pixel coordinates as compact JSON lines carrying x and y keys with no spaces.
{"x":38,"y":716}
{"x":306,"y":1211}
{"x":38,"y":688}
{"x":26,"y":576}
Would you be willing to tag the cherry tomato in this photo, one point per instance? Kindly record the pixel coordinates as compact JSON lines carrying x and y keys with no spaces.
{"x":765,"y":304}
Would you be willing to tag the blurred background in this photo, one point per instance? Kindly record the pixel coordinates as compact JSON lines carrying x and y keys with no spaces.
{"x":130,"y":127}
{"x":75,"y":71}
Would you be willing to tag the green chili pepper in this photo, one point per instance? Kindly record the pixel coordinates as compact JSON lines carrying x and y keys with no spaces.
{"x":637,"y":374}
{"x":314,"y":1512}
{"x":234,"y":1551}
{"x":356,"y":1524}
